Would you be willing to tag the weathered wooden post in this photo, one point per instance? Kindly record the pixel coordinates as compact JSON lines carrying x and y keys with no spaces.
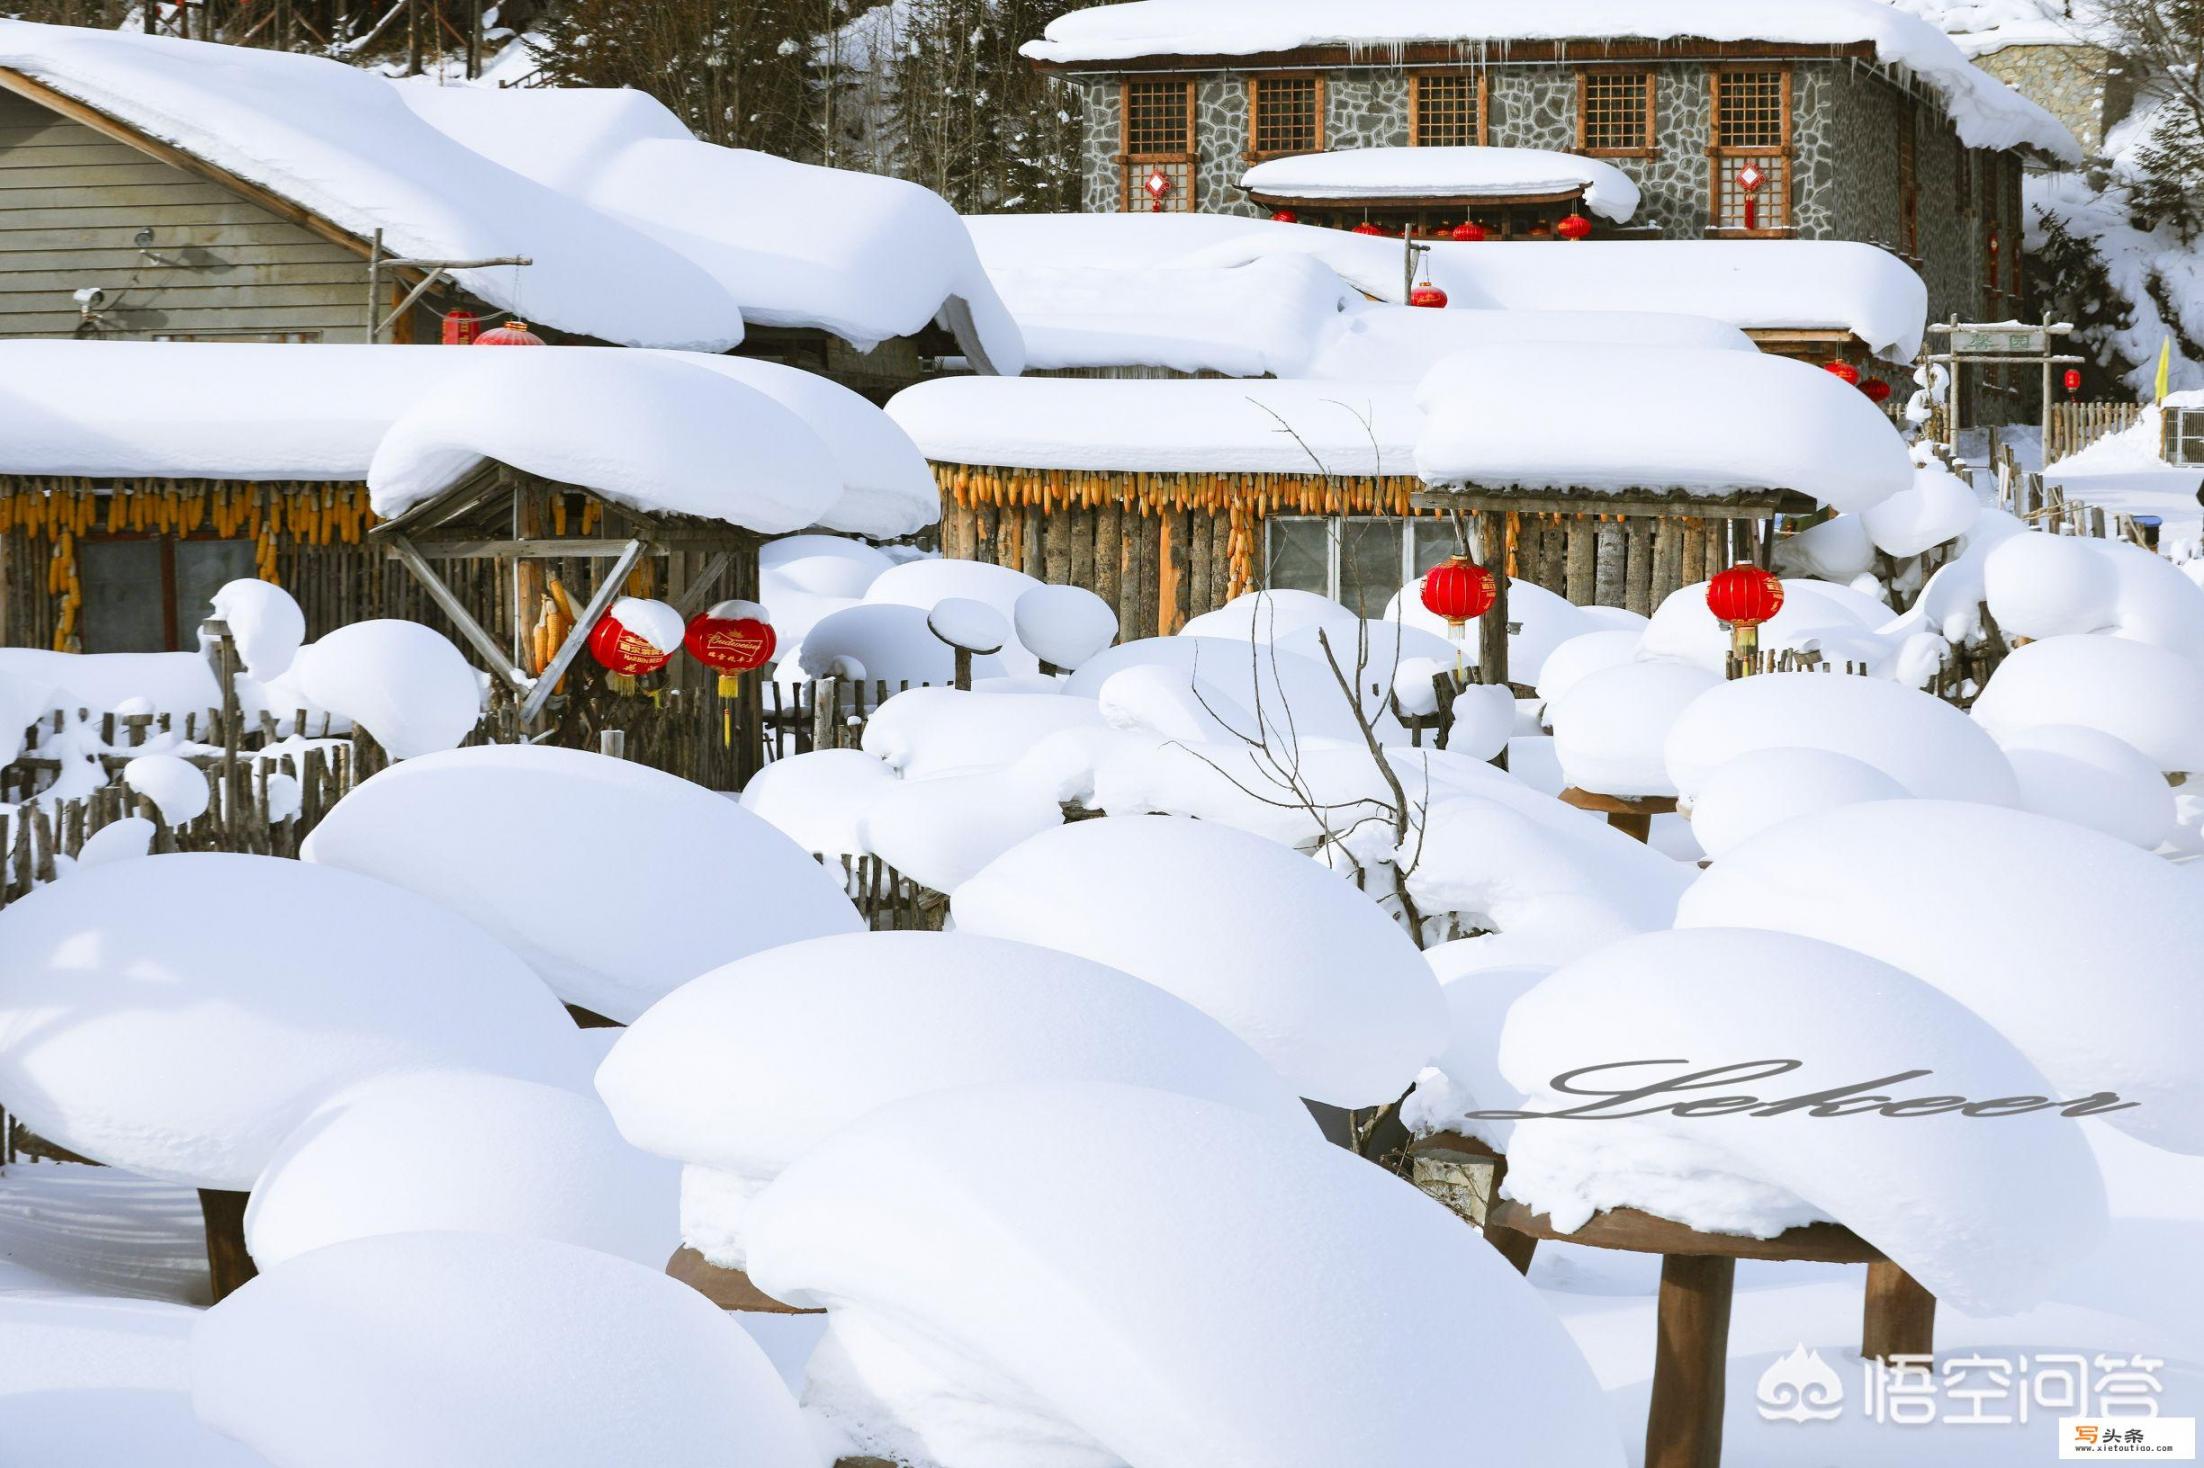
{"x":229,"y":1263}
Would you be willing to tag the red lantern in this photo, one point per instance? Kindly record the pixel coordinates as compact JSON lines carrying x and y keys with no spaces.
{"x":621,"y":652}
{"x":2073,"y":381}
{"x":511,"y":334}
{"x":1750,"y":178}
{"x":1458,"y":590}
{"x":1469,"y":232}
{"x":1877,"y":390}
{"x":1158,"y":184}
{"x":732,"y":638}
{"x":1843,"y":372}
{"x":460,"y":328}
{"x":1285,"y":216}
{"x":1741,"y":598}
{"x":1366,"y":227}
{"x":1426,"y":294}
{"x":1575,"y":227}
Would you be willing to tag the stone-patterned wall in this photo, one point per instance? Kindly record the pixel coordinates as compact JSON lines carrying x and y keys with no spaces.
{"x":1101,"y":105}
{"x":2066,"y":81}
{"x":1220,"y":136}
{"x":1366,"y":109}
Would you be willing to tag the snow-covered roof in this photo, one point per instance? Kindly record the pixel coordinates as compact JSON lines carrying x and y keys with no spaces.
{"x":1979,"y":27}
{"x":1446,"y":173}
{"x":1799,"y":285}
{"x":639,"y":234}
{"x":793,"y":244}
{"x":1673,"y":418}
{"x":1987,"y":112}
{"x":1387,"y":343}
{"x":1284,"y":427}
{"x":753,"y":443}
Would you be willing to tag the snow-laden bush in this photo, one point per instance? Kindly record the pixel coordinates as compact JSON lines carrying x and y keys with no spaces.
{"x":2146,"y":696}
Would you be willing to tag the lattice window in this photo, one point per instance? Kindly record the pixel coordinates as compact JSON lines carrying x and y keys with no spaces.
{"x":1751,"y":149}
{"x":1286,"y":115}
{"x":1449,"y":110}
{"x":1159,"y":145}
{"x":1615,"y":111}
{"x":2184,"y":433}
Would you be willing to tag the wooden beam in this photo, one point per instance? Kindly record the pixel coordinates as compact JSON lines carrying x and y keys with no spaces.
{"x":1449,"y":55}
{"x":403,"y":552}
{"x":699,"y":591}
{"x":1755,"y":507}
{"x":432,"y":549}
{"x":607,"y":590}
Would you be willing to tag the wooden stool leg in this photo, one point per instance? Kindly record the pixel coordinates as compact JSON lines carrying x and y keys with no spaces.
{"x":1683,"y":1427}
{"x":1514,"y":1245}
{"x":228,"y":1263}
{"x":1900,"y":1318}
{"x":1637,"y":828}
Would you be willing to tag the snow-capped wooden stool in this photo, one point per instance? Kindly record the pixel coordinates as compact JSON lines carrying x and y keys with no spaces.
{"x":1630,"y":814}
{"x":729,"y":1289}
{"x":1683,"y":1426}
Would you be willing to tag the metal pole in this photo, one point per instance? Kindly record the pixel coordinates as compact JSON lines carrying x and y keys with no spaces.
{"x":2043,"y":450}
{"x":474,"y":40}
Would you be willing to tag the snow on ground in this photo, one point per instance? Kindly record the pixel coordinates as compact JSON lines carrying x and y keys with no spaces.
{"x":2126,"y":474}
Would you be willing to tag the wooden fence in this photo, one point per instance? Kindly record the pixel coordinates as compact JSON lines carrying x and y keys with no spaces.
{"x":2075,"y":426}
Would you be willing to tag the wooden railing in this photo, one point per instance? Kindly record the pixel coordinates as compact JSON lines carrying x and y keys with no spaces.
{"x":2075,"y":426}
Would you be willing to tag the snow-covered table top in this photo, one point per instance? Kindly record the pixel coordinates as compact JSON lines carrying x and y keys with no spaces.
{"x":1446,"y":173}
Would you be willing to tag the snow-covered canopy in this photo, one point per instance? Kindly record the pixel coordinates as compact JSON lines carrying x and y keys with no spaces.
{"x":488,"y":1350}
{"x":1159,"y":1279}
{"x":617,"y":881}
{"x":792,"y":244}
{"x":1707,"y":422}
{"x":1988,"y":113}
{"x":1953,"y":1199}
{"x":1286,"y":955}
{"x":1446,"y":173}
{"x":753,"y":443}
{"x":1380,"y":342}
{"x":181,"y":1014}
{"x":1820,"y":285}
{"x":1223,"y":427}
{"x":2096,"y":987}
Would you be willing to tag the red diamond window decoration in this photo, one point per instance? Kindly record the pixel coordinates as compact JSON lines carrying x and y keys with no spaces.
{"x":1158,"y":184}
{"x":1750,"y":177}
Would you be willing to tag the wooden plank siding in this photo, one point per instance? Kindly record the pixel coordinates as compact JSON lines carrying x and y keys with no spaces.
{"x":72,"y":202}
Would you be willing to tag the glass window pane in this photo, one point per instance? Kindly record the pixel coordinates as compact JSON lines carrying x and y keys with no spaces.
{"x":1435,"y":541}
{"x":1300,"y":556}
{"x":1369,"y":564}
{"x":122,"y":596}
{"x":204,"y":567}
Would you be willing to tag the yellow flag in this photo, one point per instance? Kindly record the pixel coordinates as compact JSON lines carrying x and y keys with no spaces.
{"x":2165,"y":369}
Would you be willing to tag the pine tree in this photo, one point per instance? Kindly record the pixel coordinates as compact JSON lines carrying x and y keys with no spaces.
{"x":734,"y":71}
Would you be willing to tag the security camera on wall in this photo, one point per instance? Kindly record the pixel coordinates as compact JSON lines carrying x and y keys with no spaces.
{"x":90,"y":298}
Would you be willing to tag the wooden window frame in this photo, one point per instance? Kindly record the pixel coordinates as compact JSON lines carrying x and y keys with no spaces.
{"x":1133,"y":167}
{"x":1584,"y":74}
{"x":1255,"y":115}
{"x":1483,"y":80}
{"x":1723,"y":158}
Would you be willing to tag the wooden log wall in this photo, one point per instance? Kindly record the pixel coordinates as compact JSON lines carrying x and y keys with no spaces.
{"x":1163,"y":547}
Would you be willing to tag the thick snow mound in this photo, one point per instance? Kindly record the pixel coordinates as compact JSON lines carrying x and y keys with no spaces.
{"x":2093,"y":779}
{"x":402,"y":682}
{"x":941,"y":832}
{"x":1454,"y":173}
{"x":1465,"y":1077}
{"x":1287,"y":956}
{"x":2145,"y":696}
{"x":1936,"y":507}
{"x":824,"y":565}
{"x":1957,"y":1200}
{"x":1583,"y":655}
{"x":745,"y":1069}
{"x":1814,"y":613}
{"x":968,"y":625}
{"x":1788,"y":425}
{"x":1547,"y":621}
{"x":176,"y":786}
{"x":925,"y":733}
{"x":1115,"y":1298}
{"x":676,"y":879}
{"x":1610,"y":727}
{"x":818,"y":800}
{"x":2097,"y":988}
{"x":1064,"y":625}
{"x":924,"y":583}
{"x":1269,"y":614}
{"x":1266,"y":690}
{"x":1930,"y":748}
{"x":179,"y":1016}
{"x":2043,"y":586}
{"x":470,"y":1152}
{"x":884,"y":643}
{"x":1382,"y":342}
{"x":266,"y":623}
{"x":505,"y":1353}
{"x":1760,"y":788}
{"x":690,"y":441}
{"x":1557,"y":877}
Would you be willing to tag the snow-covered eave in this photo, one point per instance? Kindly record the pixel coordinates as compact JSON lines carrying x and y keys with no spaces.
{"x":1639,"y":498}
